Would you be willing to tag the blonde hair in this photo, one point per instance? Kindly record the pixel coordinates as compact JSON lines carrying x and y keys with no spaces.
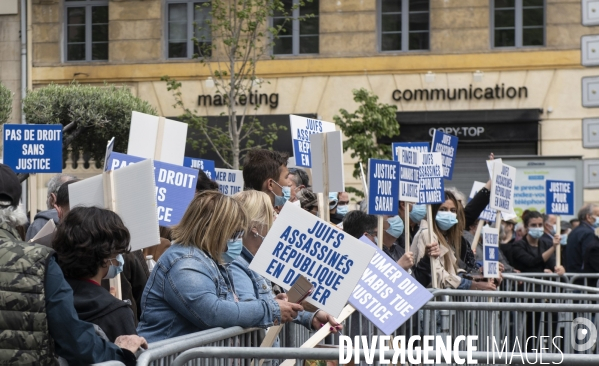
{"x":210,"y":220}
{"x":258,"y":207}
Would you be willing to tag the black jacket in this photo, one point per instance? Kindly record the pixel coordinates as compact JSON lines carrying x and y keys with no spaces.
{"x":96,"y":305}
{"x":527,"y":258}
{"x":579,"y":241}
{"x":476,"y":206}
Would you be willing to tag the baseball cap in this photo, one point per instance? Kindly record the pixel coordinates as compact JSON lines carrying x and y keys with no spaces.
{"x":10,"y":187}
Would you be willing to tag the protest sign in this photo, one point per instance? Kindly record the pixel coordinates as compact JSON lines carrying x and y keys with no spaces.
{"x":301,"y":129}
{"x":409,"y":174}
{"x":447,"y":145}
{"x":207,"y":166}
{"x":383,"y":187}
{"x":175,"y":186}
{"x":559,"y":197}
{"x":432,"y":187}
{"x":327,"y":155}
{"x":418,"y":146}
{"x":491,"y":252}
{"x":33,"y":148}
{"x":487,"y":214}
{"x":300,"y":243}
{"x":386,"y":294}
{"x":229,"y":181}
{"x":502,"y":189}
{"x":158,"y":138}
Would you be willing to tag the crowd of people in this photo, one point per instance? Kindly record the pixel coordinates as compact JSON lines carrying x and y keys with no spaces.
{"x":58,"y":299}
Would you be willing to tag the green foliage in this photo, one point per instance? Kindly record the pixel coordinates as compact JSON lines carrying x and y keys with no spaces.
{"x":372,"y":120}
{"x":5,"y":104}
{"x":99,"y":114}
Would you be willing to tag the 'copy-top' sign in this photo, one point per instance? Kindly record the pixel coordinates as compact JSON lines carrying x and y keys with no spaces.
{"x":409,"y":173}
{"x":175,"y":186}
{"x":447,"y":145}
{"x":432,"y":187}
{"x":300,"y":243}
{"x":502,"y":190}
{"x":491,"y":252}
{"x":301,"y":129}
{"x":229,"y":181}
{"x":386,"y":294}
{"x":559,"y":197}
{"x":33,"y":148}
{"x":418,"y":146}
{"x":207,"y":166}
{"x":383,"y":187}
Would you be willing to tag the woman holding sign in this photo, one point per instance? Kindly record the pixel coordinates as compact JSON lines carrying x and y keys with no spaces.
{"x":456,"y":257}
{"x":249,"y":285}
{"x":190,"y":290}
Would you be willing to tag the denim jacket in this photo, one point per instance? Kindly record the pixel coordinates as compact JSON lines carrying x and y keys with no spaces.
{"x":189,"y":292}
{"x":249,"y":285}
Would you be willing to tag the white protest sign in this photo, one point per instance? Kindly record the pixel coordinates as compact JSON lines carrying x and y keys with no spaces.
{"x":409,"y":173}
{"x":432,"y":186}
{"x":300,"y":243}
{"x":491,"y":252}
{"x":502,"y":189}
{"x":476,"y":186}
{"x":229,"y":181}
{"x":327,"y":172}
{"x":491,"y":165}
{"x":158,"y":138}
{"x":301,"y":129}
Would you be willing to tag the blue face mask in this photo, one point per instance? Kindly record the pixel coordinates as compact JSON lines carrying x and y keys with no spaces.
{"x":553,"y":229}
{"x":280,"y":200}
{"x":596,"y":223}
{"x":535,"y":232}
{"x":417,"y":214}
{"x":113,"y":270}
{"x":343,"y":210}
{"x":563,"y":240}
{"x":286,"y":193}
{"x":396,"y":226}
{"x":445,"y":220}
{"x":233,"y":250}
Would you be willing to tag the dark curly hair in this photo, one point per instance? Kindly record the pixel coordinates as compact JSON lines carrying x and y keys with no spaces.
{"x":86,"y":237}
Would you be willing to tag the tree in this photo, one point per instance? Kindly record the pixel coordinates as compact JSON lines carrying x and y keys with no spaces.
{"x":236,"y":36}
{"x":5,"y":103}
{"x":363,"y":127}
{"x":94,"y":115}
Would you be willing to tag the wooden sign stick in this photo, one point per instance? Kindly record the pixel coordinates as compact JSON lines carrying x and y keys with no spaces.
{"x":479,"y":229}
{"x":109,"y":203}
{"x":430,"y":218}
{"x":406,"y":229}
{"x":327,"y":211}
{"x":380,"y":225}
{"x":558,"y":252}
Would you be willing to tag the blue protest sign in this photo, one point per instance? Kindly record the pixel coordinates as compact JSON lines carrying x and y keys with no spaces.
{"x":383,"y":187}
{"x":175,"y":186}
{"x":386,"y":294}
{"x":432,"y":187}
{"x":207,"y":166}
{"x":33,"y":148}
{"x":491,"y":252}
{"x":418,"y":146}
{"x":447,"y":145}
{"x":559,"y":197}
{"x":301,"y":129}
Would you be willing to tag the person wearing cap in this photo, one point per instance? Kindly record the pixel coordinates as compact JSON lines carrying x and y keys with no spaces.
{"x":335,"y":217}
{"x":308,"y":200}
{"x":43,"y":322}
{"x":299,"y":180}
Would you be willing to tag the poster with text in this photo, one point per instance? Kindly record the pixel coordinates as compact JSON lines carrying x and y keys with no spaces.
{"x":447,"y":145}
{"x":502,"y":188}
{"x":33,"y":148}
{"x":432,"y":187}
{"x":559,"y":197}
{"x":418,"y":146}
{"x":229,"y":181}
{"x":491,"y":252}
{"x":301,"y":129}
{"x":383,"y":187}
{"x":409,"y":174}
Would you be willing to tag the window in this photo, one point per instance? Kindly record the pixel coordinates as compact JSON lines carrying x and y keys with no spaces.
{"x":184,"y":18}
{"x":518,"y":23}
{"x":299,"y":34}
{"x":404,"y":25}
{"x":86,"y":30}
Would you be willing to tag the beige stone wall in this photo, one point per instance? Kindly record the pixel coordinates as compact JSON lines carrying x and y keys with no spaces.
{"x":47,"y":32}
{"x":10,"y":61}
{"x":135,"y":30}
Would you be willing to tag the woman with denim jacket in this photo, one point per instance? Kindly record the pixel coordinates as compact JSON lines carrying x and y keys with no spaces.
{"x":190,"y":290}
{"x":251,"y":286}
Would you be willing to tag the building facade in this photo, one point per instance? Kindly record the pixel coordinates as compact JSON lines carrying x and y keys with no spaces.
{"x":503,"y":75}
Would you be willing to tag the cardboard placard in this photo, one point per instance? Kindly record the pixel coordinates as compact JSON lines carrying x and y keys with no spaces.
{"x":432,"y":186}
{"x":175,"y":186}
{"x":386,"y":294}
{"x":301,"y":129}
{"x":491,"y":252}
{"x":327,"y":158}
{"x":418,"y":146}
{"x":559,"y":197}
{"x":300,"y":243}
{"x":502,"y":189}
{"x":207,"y":166}
{"x":447,"y":145}
{"x":383,"y":187}
{"x":229,"y":181}
{"x":409,"y":174}
{"x":33,"y":148}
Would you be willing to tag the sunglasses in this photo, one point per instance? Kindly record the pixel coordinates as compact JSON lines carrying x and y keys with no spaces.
{"x":237,"y":235}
